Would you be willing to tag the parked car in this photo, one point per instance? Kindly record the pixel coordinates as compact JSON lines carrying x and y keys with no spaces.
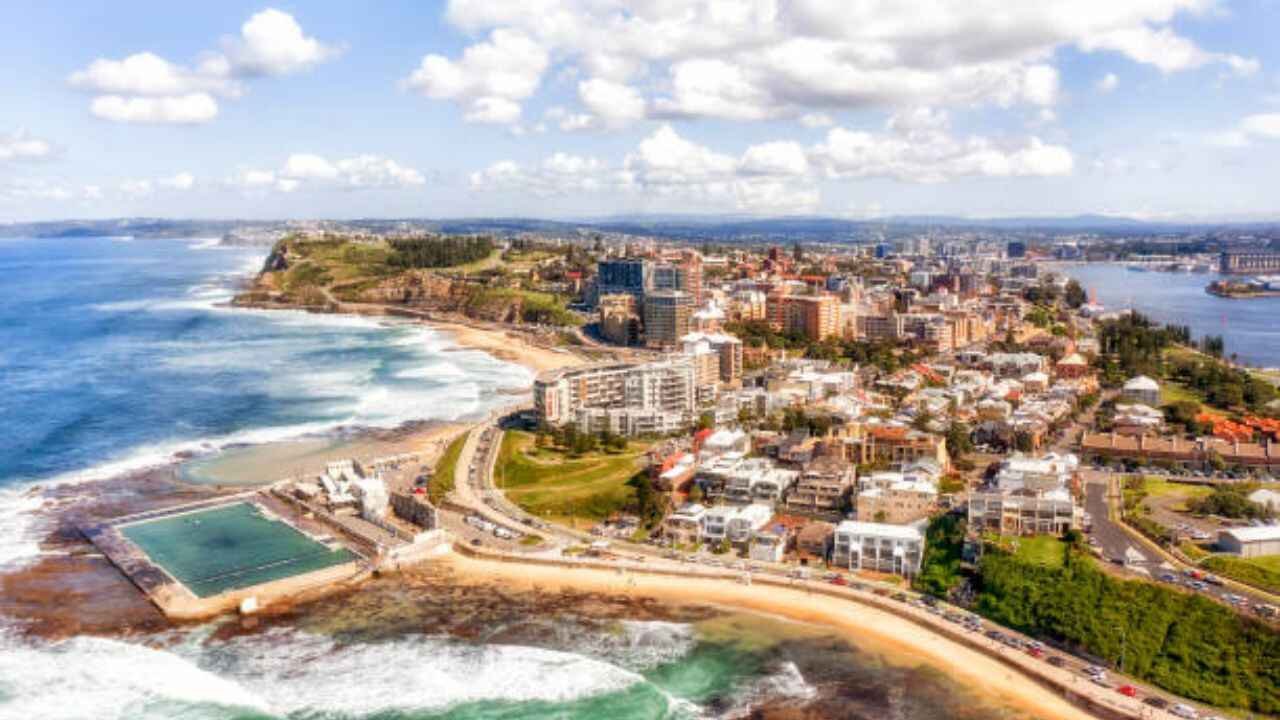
{"x":1127,"y":690}
{"x":1055,"y":661}
{"x":1184,"y":711}
{"x":1156,"y":702}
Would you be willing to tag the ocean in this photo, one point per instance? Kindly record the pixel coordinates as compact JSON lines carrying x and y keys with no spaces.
{"x":1248,"y":327}
{"x":116,"y":355}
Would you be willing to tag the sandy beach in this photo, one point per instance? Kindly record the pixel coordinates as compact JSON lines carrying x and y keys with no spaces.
{"x":509,"y":346}
{"x":854,"y":620}
{"x":260,"y":464}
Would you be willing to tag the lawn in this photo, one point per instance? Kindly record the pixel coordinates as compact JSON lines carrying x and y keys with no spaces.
{"x":1044,"y":550}
{"x":547,"y":482}
{"x":442,"y":478}
{"x":1171,"y":392}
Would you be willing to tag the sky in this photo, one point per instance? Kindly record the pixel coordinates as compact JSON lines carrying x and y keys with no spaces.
{"x":1156,"y":109}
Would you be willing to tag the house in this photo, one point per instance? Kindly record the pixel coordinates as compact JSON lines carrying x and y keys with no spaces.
{"x":814,"y":540}
{"x":898,"y":503}
{"x":684,"y":526}
{"x":1073,"y":367}
{"x":1269,"y":499}
{"x":769,"y":544}
{"x":734,"y":524}
{"x":746,"y":521}
{"x":1142,"y":389}
{"x":726,"y":441}
{"x":1025,"y":512}
{"x":1250,"y":542}
{"x":896,"y":549}
{"x":824,"y":485}
{"x":1029,"y":496}
{"x":1036,"y":382}
{"x":1137,"y":419}
{"x":896,"y":445}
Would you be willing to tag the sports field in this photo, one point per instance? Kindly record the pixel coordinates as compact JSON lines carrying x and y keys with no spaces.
{"x":229,"y":547}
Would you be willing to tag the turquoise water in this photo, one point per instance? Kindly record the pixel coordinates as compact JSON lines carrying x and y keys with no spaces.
{"x":1248,"y":327}
{"x":230,"y":547}
{"x":585,"y":670}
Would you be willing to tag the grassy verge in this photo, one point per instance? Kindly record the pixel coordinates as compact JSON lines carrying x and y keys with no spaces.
{"x":442,"y":478}
{"x":1263,"y":572}
{"x":546,"y":482}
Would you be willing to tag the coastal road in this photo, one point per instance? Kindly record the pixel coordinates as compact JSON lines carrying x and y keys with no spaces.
{"x":1115,"y":542}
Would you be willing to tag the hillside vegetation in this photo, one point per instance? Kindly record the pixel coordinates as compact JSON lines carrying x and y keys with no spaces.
{"x":431,"y":272}
{"x":1184,"y":643}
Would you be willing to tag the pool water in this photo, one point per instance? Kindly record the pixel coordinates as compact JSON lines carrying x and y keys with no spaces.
{"x":230,"y":547}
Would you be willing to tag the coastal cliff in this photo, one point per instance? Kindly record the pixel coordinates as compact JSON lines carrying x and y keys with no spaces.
{"x":459,"y":276}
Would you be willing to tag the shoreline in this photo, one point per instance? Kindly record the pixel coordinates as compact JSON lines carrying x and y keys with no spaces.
{"x":509,"y":344}
{"x":852,"y":619}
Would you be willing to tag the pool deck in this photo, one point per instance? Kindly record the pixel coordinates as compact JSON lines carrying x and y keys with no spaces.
{"x":177,"y":601}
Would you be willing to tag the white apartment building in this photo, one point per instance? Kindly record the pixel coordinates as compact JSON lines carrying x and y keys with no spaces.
{"x":684,"y":526}
{"x":735,"y":524}
{"x":633,"y":399}
{"x":896,"y":549}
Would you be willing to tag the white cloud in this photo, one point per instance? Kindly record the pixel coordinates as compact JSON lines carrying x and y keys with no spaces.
{"x":763,"y":59}
{"x":21,"y":145}
{"x":1265,"y":125}
{"x":362,"y":172}
{"x":783,"y":176}
{"x":181,"y":181}
{"x":774,"y":158}
{"x":490,"y":79}
{"x":615,"y":104}
{"x":932,"y":154}
{"x":771,"y":177}
{"x":137,"y":188}
{"x":146,"y":88}
{"x":148,"y":74}
{"x":371,"y":171}
{"x":817,"y":120}
{"x":25,"y":190}
{"x":180,"y":110}
{"x":273,"y":43}
{"x":144,"y":188}
{"x":1164,"y":49}
{"x":1262,"y":126}
{"x":305,"y":166}
{"x":1108,"y":83}
{"x":558,"y":174}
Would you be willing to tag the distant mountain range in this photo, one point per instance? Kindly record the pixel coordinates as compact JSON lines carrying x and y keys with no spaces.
{"x":684,"y":227}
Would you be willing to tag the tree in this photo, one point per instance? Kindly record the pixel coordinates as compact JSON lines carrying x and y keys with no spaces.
{"x":1074,"y":295}
{"x":1023,"y":441}
{"x":695,"y":493}
{"x":959,"y":440}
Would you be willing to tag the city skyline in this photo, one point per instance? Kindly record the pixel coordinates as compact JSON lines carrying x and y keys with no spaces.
{"x":1161,"y":110}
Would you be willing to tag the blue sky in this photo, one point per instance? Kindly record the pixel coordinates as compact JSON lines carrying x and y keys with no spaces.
{"x":1150,"y":108}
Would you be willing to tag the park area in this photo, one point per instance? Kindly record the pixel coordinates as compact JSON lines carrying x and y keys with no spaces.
{"x":553,"y":483}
